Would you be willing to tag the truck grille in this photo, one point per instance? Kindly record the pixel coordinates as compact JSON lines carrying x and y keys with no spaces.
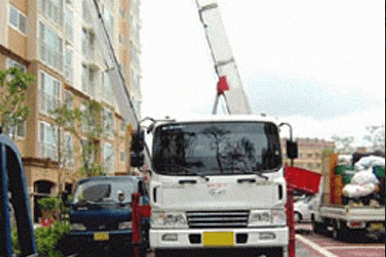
{"x":218,"y":219}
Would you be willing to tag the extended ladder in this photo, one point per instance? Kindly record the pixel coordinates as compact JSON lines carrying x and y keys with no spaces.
{"x":229,"y":86}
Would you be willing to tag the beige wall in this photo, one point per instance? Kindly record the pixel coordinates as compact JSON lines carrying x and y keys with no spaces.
{"x":22,"y":5}
{"x":3,"y":22}
{"x":17,"y":42}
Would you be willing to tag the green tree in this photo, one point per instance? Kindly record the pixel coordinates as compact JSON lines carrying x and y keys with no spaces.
{"x":96,"y":131}
{"x":13,"y":94}
{"x":66,"y":119}
{"x":343,"y":144}
{"x":376,"y":137}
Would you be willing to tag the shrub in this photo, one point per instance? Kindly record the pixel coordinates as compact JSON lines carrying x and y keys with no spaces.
{"x":46,"y":239}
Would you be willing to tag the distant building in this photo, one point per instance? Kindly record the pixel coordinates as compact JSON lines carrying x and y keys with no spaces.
{"x":310,"y":153}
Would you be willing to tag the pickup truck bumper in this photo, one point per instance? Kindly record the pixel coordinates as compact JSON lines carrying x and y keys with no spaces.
{"x":80,"y":239}
{"x":198,"y":238}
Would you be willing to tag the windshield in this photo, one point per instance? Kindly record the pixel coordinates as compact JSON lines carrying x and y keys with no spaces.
{"x":216,"y":148}
{"x":104,"y":191}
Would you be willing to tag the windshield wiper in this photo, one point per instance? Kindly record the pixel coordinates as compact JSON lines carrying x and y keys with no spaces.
{"x":191,"y":171}
{"x":254,"y":172}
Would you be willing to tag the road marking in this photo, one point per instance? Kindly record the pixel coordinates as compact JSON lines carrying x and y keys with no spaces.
{"x":315,"y":246}
{"x":364,"y":247}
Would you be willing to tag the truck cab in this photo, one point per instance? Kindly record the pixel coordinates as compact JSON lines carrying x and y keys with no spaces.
{"x":101,"y":214}
{"x":218,"y":183}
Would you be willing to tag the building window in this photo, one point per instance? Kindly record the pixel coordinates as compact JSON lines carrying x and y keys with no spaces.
{"x":48,"y":141}
{"x":134,"y":26}
{"x":69,"y":100}
{"x":108,"y":94}
{"x":51,"y":47}
{"x":52,"y":9}
{"x":109,"y":22}
{"x":17,"y":19}
{"x":88,"y":120}
{"x":11,"y":63}
{"x":68,"y":68}
{"x":87,"y":152}
{"x":50,"y":93}
{"x":68,"y":21}
{"x":17,"y":131}
{"x":84,"y":117}
{"x":84,"y":41}
{"x":134,"y":55}
{"x":108,"y":158}
{"x":89,"y":80}
{"x":68,"y":157}
{"x":108,"y":122}
{"x":136,"y":82}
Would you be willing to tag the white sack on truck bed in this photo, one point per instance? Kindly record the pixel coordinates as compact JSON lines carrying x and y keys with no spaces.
{"x":356,"y":191}
{"x":364,"y":177}
{"x":368,"y":162}
{"x":363,"y":183}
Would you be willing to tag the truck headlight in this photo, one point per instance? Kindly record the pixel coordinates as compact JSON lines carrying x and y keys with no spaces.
{"x":168,"y":220}
{"x":78,"y":227}
{"x":267,"y":218}
{"x":260,"y":218}
{"x":125,"y":225}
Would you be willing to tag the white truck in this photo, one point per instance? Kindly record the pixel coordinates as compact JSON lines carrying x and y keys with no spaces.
{"x":218,"y":182}
{"x":343,"y":220}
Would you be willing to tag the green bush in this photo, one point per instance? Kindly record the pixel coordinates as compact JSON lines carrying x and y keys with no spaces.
{"x":46,"y":239}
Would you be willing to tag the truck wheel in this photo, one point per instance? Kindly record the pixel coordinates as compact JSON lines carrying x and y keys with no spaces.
{"x":163,"y":253}
{"x":339,"y":233}
{"x":317,"y":227}
{"x":297,"y":217}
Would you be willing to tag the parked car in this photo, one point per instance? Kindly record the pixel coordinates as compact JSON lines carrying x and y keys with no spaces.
{"x":100,"y":214}
{"x":303,"y":208}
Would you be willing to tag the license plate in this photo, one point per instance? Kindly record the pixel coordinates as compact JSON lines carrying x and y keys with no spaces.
{"x":377,"y":226}
{"x":218,"y":239}
{"x":101,"y":236}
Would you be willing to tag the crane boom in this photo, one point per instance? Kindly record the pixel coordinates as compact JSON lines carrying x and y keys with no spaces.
{"x":125,"y":104}
{"x":224,"y":62}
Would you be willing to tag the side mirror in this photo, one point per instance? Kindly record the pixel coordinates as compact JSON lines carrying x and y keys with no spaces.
{"x":292,"y":149}
{"x":137,"y":155}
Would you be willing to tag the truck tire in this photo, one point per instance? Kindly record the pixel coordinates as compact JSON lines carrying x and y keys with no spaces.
{"x":163,"y":253}
{"x":297,"y":218}
{"x":317,"y":227}
{"x":339,"y":231}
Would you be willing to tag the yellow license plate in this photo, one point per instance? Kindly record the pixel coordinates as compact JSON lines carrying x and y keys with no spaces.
{"x":101,"y":236}
{"x":376,"y":226}
{"x":218,"y":239}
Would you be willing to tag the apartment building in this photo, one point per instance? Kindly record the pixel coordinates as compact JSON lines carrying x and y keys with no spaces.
{"x":56,"y":42}
{"x":310,"y":153}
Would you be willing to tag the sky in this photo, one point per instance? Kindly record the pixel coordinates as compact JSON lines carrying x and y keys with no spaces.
{"x":319,"y":65}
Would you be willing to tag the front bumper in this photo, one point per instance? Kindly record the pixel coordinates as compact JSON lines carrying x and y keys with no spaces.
{"x":194,"y":238}
{"x":82,"y":238}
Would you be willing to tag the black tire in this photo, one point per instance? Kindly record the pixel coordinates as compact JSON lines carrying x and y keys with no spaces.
{"x":297,"y":217}
{"x":317,"y":227}
{"x":163,"y":253}
{"x":339,"y":231}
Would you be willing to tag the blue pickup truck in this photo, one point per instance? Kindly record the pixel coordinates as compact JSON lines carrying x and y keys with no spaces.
{"x":100,"y":214}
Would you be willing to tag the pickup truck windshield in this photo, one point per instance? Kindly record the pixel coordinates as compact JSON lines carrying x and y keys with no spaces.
{"x":102,"y":192}
{"x":222,"y":148}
